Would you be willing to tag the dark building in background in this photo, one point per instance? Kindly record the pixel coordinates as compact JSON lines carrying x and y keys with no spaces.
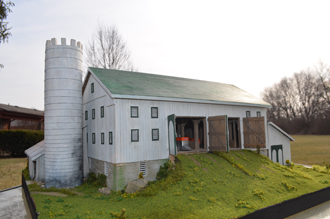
{"x":15,"y":117}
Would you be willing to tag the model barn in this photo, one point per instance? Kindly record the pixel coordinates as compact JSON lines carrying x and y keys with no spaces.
{"x":121,"y":123}
{"x":134,"y":121}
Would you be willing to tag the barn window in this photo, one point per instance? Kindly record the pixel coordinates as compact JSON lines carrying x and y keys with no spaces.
{"x":258,"y":113}
{"x":154,"y":112}
{"x":102,"y":138}
{"x":86,"y":115}
{"x":155,"y":134}
{"x":134,"y":135}
{"x":102,"y":111}
{"x":92,"y":87}
{"x":110,"y":137}
{"x":93,"y":138}
{"x":134,"y":112}
{"x":248,"y":114}
{"x":93,"y":113}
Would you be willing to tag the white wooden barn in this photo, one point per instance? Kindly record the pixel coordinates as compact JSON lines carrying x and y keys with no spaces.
{"x":133,"y":121}
{"x":125,"y":123}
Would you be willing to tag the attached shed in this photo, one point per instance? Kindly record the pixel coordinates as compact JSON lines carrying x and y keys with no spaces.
{"x":279,"y":143}
{"x":36,"y":156}
{"x":133,"y":121}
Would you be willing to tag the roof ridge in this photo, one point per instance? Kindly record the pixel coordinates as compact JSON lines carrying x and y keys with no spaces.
{"x":161,"y":75}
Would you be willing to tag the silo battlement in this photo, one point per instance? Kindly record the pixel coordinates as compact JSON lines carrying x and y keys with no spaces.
{"x":63,"y":114}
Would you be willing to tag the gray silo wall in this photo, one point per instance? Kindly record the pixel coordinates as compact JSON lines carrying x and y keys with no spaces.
{"x":63,"y":114}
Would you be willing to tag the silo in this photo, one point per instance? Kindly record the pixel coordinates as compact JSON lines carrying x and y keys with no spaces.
{"x":63,"y":114}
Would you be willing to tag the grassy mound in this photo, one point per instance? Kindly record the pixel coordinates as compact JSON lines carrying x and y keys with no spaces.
{"x":219,"y":185}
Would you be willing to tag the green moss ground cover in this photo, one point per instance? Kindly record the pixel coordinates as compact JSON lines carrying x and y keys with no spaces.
{"x":222,"y":185}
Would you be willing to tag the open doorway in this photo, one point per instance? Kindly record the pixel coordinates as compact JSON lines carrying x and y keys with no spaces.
{"x":234,"y":133}
{"x":191,"y":134}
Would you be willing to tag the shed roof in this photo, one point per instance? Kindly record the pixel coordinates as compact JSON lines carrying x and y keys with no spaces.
{"x":35,"y":151}
{"x":21,"y":110}
{"x":128,"y":84}
{"x":280,"y":130}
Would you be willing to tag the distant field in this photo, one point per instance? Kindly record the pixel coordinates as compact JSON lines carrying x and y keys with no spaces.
{"x":311,"y":149}
{"x":11,"y":172}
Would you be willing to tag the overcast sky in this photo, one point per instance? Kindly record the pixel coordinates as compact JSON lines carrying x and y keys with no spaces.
{"x":251,"y":44}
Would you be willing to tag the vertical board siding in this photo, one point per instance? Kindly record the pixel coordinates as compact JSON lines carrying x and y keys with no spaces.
{"x":277,"y":138}
{"x":146,"y":149}
{"x":117,"y":119}
{"x":99,"y":125}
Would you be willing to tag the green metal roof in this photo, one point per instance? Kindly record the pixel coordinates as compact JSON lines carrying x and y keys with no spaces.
{"x":127,"y":83}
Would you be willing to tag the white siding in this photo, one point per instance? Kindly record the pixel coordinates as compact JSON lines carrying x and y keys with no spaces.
{"x":277,"y":138}
{"x":99,"y":125}
{"x":146,"y":149}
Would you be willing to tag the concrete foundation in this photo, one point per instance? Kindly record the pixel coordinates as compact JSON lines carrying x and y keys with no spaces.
{"x":120,"y":174}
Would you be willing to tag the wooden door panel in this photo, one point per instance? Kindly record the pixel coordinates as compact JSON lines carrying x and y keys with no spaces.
{"x":254,"y":132}
{"x":218,"y":134}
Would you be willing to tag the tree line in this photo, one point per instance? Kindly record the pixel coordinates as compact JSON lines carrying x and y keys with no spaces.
{"x":301,"y":103}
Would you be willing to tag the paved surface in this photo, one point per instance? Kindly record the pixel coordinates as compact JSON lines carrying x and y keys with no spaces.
{"x":12,"y":205}
{"x":317,"y":212}
{"x":307,"y":166}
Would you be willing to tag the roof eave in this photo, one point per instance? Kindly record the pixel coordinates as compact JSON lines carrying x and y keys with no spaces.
{"x":136,"y":97}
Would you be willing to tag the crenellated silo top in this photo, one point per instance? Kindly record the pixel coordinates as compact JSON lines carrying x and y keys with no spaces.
{"x":53,"y":42}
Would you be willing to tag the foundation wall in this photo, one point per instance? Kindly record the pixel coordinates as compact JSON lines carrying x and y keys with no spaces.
{"x":118,"y":175}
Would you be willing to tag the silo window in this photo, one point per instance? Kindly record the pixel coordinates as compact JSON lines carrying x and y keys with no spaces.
{"x":110,"y":137}
{"x":87,"y":137}
{"x":93,"y":138}
{"x":86,"y":115}
{"x":135,"y":135}
{"x":248,"y":114}
{"x":102,"y":111}
{"x":258,"y":114}
{"x":93,"y":113}
{"x":102,"y":138}
{"x":154,"y":112}
{"x":155,"y":134}
{"x":92,"y":87}
{"x":134,"y":112}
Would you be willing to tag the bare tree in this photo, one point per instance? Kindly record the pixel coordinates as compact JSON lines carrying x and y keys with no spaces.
{"x":298,"y":103}
{"x":323,"y":70}
{"x":310,"y":95}
{"x":283,"y":100}
{"x":107,"y":49}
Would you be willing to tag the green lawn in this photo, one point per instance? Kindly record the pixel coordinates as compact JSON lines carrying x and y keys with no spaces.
{"x":222,"y":187}
{"x":311,"y":149}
